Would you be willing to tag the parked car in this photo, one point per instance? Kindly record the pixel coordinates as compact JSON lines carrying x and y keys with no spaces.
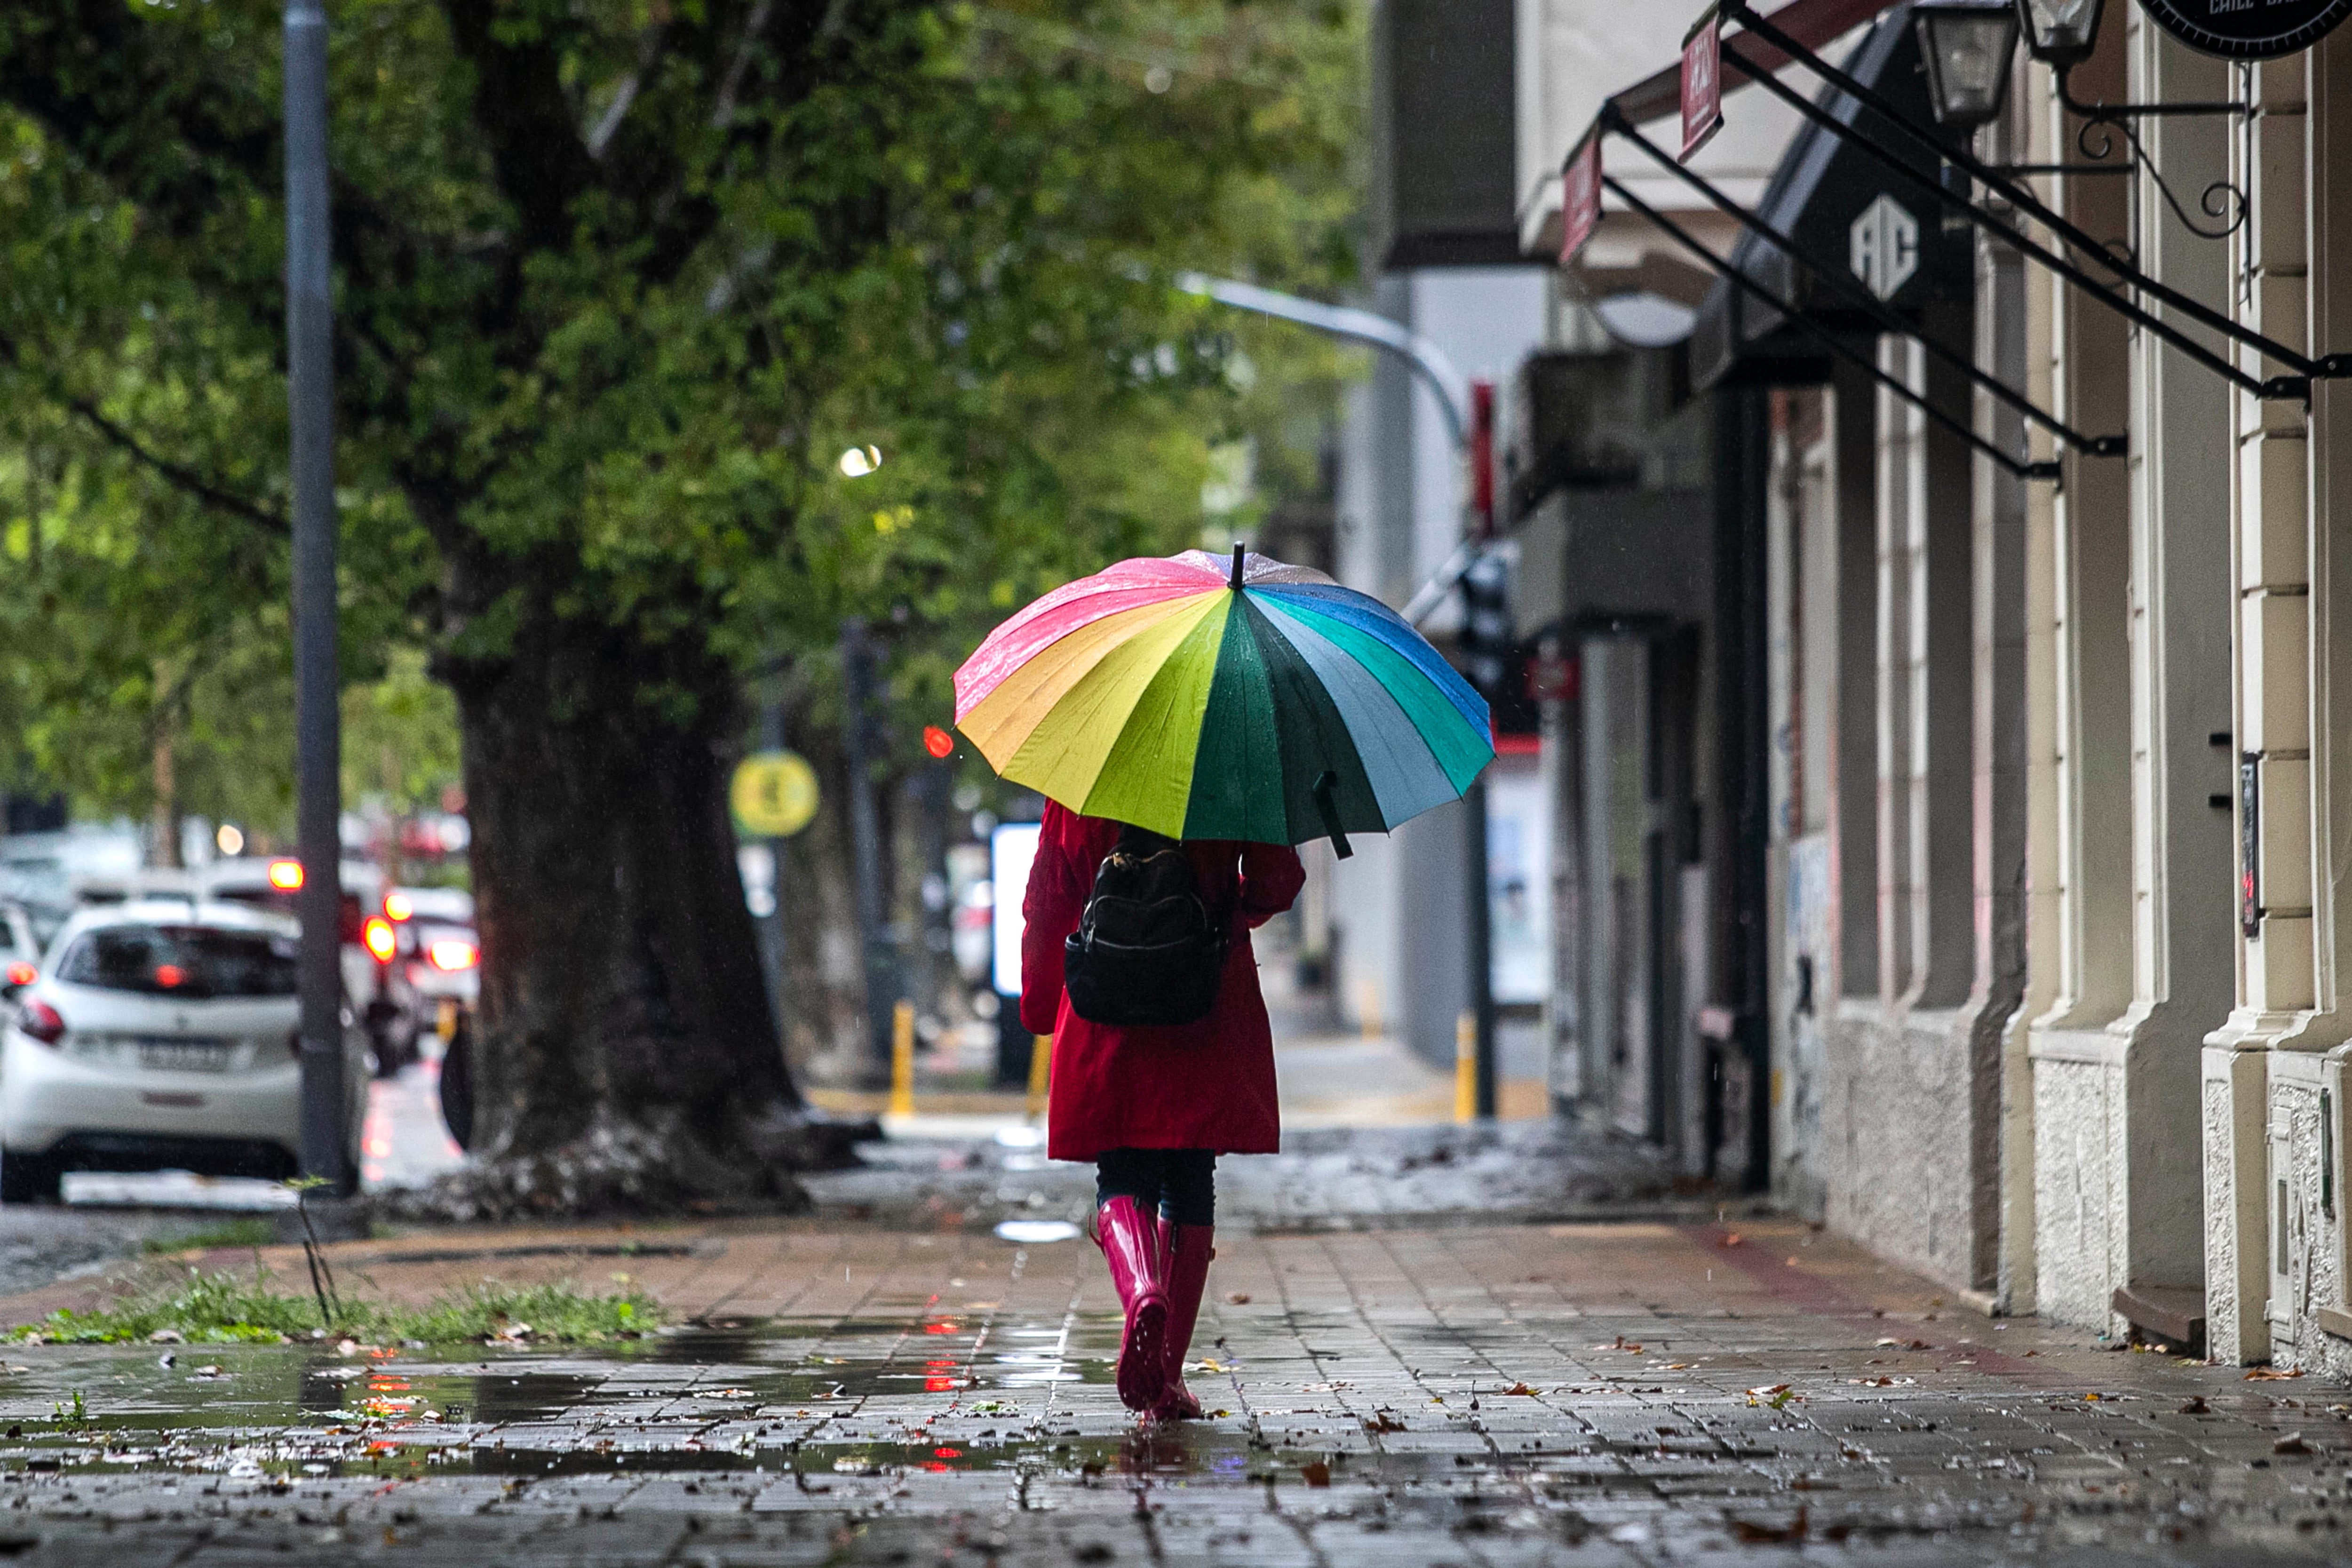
{"x":160,"y":1034}
{"x":444,"y":970}
{"x":372,"y":990}
{"x":427,"y":964}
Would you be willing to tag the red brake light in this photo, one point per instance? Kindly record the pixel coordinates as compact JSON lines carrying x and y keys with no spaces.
{"x":286,"y":876}
{"x":169,"y":976}
{"x":382,"y":941}
{"x":41,"y":1021}
{"x":452,"y":953}
{"x":22,"y":973}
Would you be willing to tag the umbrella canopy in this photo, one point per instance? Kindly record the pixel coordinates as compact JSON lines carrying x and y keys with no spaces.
{"x":1262,"y":703}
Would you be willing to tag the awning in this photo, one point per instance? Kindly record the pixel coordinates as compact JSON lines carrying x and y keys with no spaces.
{"x":1838,"y":204}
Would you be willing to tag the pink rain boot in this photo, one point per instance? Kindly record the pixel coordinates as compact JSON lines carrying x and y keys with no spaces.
{"x":1130,"y":1239}
{"x":1189,"y":1250}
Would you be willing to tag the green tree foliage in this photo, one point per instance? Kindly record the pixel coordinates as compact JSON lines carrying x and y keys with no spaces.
{"x":617,"y":283}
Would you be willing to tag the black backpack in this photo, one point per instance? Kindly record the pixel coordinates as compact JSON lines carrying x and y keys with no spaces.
{"x":1147,"y":949}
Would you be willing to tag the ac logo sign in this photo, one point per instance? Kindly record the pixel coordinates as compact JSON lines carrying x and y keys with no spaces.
{"x":1884,"y":246}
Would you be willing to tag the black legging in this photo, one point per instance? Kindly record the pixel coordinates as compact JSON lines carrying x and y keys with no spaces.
{"x":1180,"y":1183}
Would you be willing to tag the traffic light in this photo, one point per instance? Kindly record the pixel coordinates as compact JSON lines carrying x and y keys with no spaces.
{"x":1487,"y":635}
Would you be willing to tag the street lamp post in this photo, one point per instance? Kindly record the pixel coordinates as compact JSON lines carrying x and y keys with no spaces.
{"x":318,"y":737}
{"x":866,"y":840}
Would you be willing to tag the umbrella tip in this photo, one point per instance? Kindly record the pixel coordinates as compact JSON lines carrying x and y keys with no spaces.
{"x":1239,"y":550}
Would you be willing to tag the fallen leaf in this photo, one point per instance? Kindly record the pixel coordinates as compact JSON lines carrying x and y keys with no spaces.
{"x":2291,"y":1443}
{"x":2270,"y":1374}
{"x":1520,"y":1388}
{"x":1316,"y":1473}
{"x":1755,"y":1534}
{"x":1733,"y":1239}
{"x":1237,"y":1298}
{"x":1792,"y":1260}
{"x":1383,"y":1421}
{"x":2196,"y":1405}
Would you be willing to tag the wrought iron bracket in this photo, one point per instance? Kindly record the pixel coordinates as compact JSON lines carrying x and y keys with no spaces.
{"x":2138,"y":110}
{"x":2105,"y":121}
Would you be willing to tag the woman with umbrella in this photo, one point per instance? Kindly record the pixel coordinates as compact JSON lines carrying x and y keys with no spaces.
{"x":1188,"y":726}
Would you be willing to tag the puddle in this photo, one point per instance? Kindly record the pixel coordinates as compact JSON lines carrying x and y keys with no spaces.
{"x":849,"y":1407}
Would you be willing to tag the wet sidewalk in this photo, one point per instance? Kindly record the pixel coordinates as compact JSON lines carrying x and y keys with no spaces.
{"x":1487,"y":1395}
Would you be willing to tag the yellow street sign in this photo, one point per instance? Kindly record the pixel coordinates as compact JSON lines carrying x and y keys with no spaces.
{"x":773,"y":793}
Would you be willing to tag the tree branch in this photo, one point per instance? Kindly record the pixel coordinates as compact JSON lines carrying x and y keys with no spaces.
{"x":178,"y":475}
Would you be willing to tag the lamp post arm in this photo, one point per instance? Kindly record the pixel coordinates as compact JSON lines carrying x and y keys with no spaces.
{"x":1424,"y":358}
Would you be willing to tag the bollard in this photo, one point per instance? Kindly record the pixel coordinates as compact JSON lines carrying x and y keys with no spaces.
{"x":1465,"y":1068}
{"x":1041,"y":1064}
{"x":902,"y":1059}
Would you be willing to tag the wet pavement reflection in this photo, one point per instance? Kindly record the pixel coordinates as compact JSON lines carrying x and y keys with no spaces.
{"x":1625,"y":1395}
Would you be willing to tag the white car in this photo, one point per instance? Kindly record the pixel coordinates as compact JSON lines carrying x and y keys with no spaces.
{"x":160,"y":1034}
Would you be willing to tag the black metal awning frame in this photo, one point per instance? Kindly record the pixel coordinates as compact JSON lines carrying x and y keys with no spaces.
{"x":1851,"y":293}
{"x":2303,"y":369}
{"x":1829,"y":340}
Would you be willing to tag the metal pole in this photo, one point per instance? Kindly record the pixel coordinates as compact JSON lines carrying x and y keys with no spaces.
{"x":1480,"y":921}
{"x":772,"y":924}
{"x":318,"y":738}
{"x":866,"y":843}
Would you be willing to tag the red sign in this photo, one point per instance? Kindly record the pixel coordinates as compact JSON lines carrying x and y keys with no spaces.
{"x":1702,"y":84}
{"x":1579,"y":196}
{"x":1482,"y":454}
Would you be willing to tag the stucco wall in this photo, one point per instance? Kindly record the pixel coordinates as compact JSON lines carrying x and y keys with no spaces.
{"x":2313,"y":1277}
{"x":2078,"y":1180}
{"x":1896,"y":1120}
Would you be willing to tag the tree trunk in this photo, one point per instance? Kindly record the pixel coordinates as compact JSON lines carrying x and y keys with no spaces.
{"x":628,"y":1058}
{"x":165,"y":823}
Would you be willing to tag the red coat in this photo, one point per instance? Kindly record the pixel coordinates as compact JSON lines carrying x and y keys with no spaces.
{"x":1208,"y":1085}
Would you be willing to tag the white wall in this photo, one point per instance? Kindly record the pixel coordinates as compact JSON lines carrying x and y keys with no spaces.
{"x":1572,"y":55}
{"x":1400,"y":516}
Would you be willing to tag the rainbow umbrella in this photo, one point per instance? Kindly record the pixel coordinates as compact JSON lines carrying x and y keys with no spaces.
{"x":1263,"y":702}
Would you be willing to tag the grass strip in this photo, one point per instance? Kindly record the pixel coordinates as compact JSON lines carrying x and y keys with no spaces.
{"x":226,"y":1307}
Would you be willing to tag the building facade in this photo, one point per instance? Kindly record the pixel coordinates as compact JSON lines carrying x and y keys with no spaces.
{"x":1947,"y":835}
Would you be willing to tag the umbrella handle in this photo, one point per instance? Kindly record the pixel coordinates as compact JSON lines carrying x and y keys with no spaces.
{"x":1239,"y":550}
{"x":1326,"y":787}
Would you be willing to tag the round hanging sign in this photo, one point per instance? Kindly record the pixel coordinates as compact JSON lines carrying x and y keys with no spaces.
{"x":773,"y":793}
{"x":2247,"y":29}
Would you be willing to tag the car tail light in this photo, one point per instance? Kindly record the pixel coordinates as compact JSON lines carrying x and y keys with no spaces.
{"x":381,"y":939}
{"x":40,"y":1020}
{"x":398,"y":906}
{"x":286,"y":876}
{"x":22,"y":973}
{"x":169,"y":976}
{"x":452,"y":953}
